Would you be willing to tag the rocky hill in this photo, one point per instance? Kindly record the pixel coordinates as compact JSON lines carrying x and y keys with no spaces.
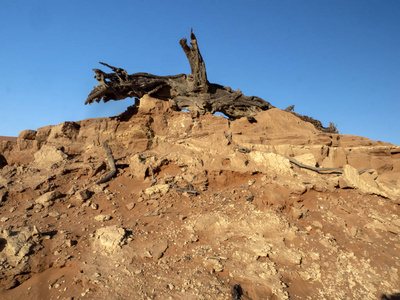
{"x":200,"y":208}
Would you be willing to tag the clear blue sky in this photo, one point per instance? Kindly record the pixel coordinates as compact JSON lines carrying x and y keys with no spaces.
{"x":336,"y":60}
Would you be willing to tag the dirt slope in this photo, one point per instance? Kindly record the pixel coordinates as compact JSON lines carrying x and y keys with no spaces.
{"x":199,"y":206}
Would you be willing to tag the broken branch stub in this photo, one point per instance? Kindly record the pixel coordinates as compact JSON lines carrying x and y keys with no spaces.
{"x":192,"y":92}
{"x":197,"y":65}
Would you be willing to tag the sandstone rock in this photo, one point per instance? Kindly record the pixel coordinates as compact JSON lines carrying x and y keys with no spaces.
{"x":306,"y":159}
{"x":351,"y":179}
{"x":43,"y":133}
{"x":49,"y":155}
{"x":3,"y":161}
{"x":270,"y":162}
{"x":213,"y":265}
{"x":139,"y":165}
{"x":54,"y":214}
{"x":261,"y":249}
{"x":276,"y":120}
{"x":111,"y":238}
{"x":369,"y":177}
{"x":312,"y":273}
{"x":156,"y":249}
{"x":102,"y":218}
{"x":83,"y":195}
{"x":149,"y":105}
{"x":317,"y":224}
{"x":295,"y":187}
{"x":26,"y":141}
{"x":194,"y":237}
{"x":337,"y":158}
{"x":382,"y":164}
{"x":69,"y":243}
{"x":286,"y":256}
{"x":130,"y":206}
{"x":27,"y":134}
{"x":68,"y":130}
{"x":263,"y":241}
{"x":335,"y":139}
{"x":396,"y":222}
{"x":48,"y":199}
{"x":15,"y":248}
{"x":180,"y":125}
{"x":296,"y":213}
{"x":159,"y":190}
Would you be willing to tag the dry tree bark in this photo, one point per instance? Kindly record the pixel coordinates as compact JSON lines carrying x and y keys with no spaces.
{"x":323,"y":170}
{"x":111,"y":163}
{"x":190,"y":92}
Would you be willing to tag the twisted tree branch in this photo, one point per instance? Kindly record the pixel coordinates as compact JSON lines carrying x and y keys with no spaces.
{"x":190,"y":92}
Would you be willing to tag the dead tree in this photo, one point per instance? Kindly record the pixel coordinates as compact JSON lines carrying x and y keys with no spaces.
{"x":189,"y":92}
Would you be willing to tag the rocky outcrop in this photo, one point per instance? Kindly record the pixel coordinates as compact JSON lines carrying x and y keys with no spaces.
{"x":197,"y":198}
{"x":15,"y":249}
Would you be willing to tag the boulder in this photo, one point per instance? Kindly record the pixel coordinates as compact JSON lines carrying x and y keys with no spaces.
{"x":158,"y":190}
{"x":102,"y":218}
{"x":48,"y":199}
{"x":26,"y":140}
{"x":27,"y":134}
{"x":49,"y":155}
{"x":83,"y":195}
{"x":111,"y":238}
{"x":149,"y":105}
{"x":68,"y":130}
{"x":15,"y":248}
{"x":351,"y":179}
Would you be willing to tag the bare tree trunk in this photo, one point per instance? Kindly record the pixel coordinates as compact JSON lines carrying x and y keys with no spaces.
{"x":197,"y":65}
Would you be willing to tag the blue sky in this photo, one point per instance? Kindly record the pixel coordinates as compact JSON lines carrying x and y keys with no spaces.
{"x":334,"y":60}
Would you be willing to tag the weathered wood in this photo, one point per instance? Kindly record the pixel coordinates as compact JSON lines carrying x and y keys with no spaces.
{"x":323,"y":170}
{"x":111,"y":163}
{"x":315,"y":169}
{"x":197,"y":65}
{"x":189,"y":92}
